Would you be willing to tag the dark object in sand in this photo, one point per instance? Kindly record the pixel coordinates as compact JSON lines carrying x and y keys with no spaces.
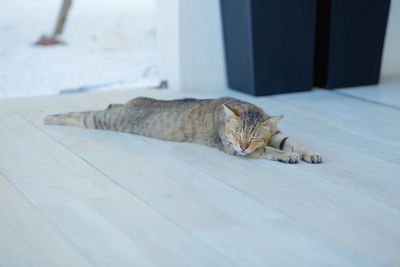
{"x":53,"y":39}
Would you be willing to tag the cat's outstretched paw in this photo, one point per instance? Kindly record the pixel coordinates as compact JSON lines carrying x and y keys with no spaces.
{"x":289,"y":158}
{"x":311,"y":157}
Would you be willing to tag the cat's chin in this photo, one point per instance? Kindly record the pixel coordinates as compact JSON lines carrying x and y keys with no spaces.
{"x":243,"y":153}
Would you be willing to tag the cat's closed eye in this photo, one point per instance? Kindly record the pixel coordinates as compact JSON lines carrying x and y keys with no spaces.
{"x":236,"y":135}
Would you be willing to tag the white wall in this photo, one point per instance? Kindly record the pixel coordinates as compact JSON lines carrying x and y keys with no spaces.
{"x":168,"y":45}
{"x":391,"y":56}
{"x":203,"y":61}
{"x":190,"y":44}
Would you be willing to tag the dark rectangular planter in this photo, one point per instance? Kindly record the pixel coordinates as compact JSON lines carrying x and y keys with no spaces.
{"x":269,"y":45}
{"x":349,"y":42}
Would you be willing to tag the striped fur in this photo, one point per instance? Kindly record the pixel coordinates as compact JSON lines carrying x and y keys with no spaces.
{"x":231,"y":125}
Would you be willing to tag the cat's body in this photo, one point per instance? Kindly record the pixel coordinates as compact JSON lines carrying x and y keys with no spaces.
{"x":229,"y":124}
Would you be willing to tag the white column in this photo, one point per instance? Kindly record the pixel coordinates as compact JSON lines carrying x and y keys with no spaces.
{"x":190,"y":44}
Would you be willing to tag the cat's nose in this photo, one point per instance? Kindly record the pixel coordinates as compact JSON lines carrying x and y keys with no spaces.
{"x":244,"y":146}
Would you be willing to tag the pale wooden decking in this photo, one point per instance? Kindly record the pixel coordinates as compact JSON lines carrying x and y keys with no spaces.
{"x":77,"y":197}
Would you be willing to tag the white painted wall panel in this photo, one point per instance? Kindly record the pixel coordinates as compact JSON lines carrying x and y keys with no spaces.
{"x":190,"y":44}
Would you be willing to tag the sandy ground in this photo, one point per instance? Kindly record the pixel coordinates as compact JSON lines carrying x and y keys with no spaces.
{"x":108,"y":44}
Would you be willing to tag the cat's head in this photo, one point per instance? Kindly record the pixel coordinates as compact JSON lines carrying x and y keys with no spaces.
{"x":250,"y":129}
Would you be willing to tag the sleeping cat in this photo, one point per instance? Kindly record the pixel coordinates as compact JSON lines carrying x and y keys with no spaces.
{"x":231,"y":125}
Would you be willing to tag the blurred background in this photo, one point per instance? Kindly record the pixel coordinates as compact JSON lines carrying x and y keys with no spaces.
{"x":113,"y":44}
{"x":108,"y":44}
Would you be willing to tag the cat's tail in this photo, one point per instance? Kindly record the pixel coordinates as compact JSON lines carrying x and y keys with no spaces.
{"x":101,"y":119}
{"x":79,"y":119}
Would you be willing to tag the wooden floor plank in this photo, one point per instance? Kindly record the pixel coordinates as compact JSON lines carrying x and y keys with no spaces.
{"x":301,"y":193}
{"x":350,"y":151}
{"x":185,"y":192}
{"x":192,"y":211}
{"x":351,"y":160}
{"x":387,"y":93}
{"x":282,"y":243}
{"x":307,"y":197}
{"x":26,"y":236}
{"x":225,"y":210}
{"x":62,"y":186}
{"x":366,"y":119}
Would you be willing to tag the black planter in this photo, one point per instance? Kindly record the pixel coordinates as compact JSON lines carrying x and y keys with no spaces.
{"x":349,"y":42}
{"x":269,"y":45}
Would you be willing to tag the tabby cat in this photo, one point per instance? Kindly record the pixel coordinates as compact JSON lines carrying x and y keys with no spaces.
{"x":231,"y":125}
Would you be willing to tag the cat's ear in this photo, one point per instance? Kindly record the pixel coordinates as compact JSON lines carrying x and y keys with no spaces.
{"x":231,"y":112}
{"x":273,"y":121}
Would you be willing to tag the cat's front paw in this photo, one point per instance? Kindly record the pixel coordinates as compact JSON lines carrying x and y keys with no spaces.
{"x":311,"y":157}
{"x":289,"y":158}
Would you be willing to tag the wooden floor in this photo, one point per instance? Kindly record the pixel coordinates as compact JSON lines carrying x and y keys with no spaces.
{"x":77,"y":197}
